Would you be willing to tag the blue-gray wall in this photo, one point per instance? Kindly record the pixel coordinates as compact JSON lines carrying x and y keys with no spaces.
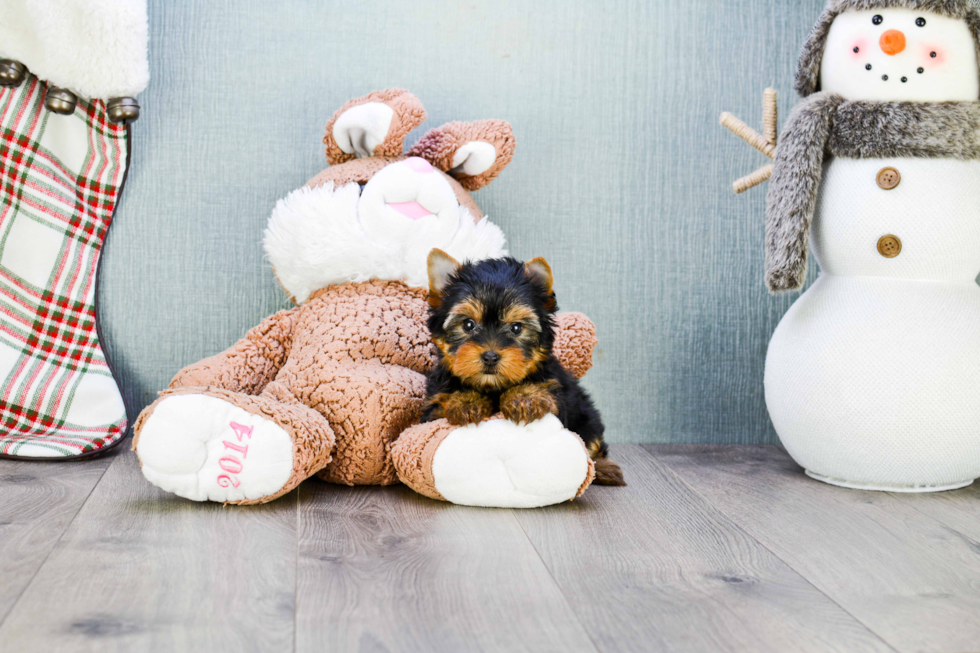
{"x":621,"y":178}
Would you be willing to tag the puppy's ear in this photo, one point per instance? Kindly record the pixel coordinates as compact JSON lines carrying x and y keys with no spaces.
{"x":540,"y":272}
{"x":373,"y":125}
{"x":442,"y":267}
{"x":472,"y":152}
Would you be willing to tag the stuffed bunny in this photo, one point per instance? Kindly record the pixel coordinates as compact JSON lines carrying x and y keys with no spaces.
{"x":335,"y":386}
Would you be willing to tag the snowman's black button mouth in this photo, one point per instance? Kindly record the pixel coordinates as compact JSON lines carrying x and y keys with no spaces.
{"x":884,"y":78}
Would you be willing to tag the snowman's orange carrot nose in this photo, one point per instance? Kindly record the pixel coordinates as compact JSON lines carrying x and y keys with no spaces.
{"x":892,"y":42}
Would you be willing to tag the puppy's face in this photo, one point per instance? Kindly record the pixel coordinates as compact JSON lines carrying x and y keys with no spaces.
{"x":491,"y":345}
{"x":491,"y":319}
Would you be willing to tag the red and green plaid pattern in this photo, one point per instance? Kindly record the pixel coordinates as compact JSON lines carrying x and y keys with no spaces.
{"x":60,"y":177}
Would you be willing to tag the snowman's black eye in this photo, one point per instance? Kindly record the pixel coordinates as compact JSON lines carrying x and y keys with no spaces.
{"x":857,"y":49}
{"x":921,"y":22}
{"x":932,"y":54}
{"x":877,"y":20}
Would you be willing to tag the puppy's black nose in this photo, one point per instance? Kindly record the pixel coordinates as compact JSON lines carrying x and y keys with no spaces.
{"x":490,"y":357}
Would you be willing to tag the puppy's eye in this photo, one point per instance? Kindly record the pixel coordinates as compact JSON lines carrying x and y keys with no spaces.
{"x":921,"y":22}
{"x":877,"y":20}
{"x":468,"y":325}
{"x":516,"y":328}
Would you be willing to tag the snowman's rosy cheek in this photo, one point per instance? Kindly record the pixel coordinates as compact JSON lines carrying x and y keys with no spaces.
{"x":859,"y":48}
{"x":932,"y":56}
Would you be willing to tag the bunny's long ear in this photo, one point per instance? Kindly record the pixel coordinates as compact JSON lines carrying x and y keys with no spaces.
{"x":373,"y":125}
{"x":472,"y":152}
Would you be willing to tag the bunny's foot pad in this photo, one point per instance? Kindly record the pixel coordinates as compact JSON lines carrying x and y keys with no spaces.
{"x":497,"y":463}
{"x":206,"y":449}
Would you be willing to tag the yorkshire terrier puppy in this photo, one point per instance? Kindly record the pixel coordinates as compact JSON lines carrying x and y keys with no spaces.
{"x":491,"y":322}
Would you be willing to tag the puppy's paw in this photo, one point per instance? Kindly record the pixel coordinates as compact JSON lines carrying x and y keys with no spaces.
{"x":528,"y":403}
{"x":462,"y":408}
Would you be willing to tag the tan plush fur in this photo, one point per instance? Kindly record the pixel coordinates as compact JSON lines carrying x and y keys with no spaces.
{"x":356,"y":354}
{"x":409,"y":114}
{"x":575,"y":339}
{"x":439,"y":145}
{"x":344,"y":373}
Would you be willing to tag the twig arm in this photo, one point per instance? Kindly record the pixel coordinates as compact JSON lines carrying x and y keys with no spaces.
{"x":769,"y":115}
{"x":765,"y":143}
{"x":747,"y":134}
{"x":753,"y":180}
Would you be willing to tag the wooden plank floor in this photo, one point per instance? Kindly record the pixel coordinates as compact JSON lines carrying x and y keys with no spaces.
{"x":708,"y":549}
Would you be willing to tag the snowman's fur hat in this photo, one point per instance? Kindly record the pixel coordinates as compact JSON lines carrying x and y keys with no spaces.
{"x":808,"y":69}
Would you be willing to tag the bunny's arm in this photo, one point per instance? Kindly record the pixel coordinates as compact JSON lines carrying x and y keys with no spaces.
{"x":575,"y":341}
{"x":249,"y":364}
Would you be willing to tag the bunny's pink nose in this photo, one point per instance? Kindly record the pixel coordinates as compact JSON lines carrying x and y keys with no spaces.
{"x":420,"y":165}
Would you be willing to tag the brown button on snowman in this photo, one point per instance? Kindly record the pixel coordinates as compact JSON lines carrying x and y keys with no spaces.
{"x":889,"y":178}
{"x":871,"y":376}
{"x":889,"y":246}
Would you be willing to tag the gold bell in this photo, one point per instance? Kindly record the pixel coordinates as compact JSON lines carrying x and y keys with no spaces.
{"x":12,"y":73}
{"x":60,"y":100}
{"x":122,"y":109}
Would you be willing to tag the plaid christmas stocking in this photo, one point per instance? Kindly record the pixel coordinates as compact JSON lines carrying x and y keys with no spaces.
{"x":60,"y":177}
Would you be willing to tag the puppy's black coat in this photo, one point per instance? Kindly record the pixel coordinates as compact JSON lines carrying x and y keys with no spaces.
{"x":491,"y":322}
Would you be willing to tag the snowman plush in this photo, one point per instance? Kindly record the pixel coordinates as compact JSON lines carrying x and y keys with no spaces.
{"x":872,"y":377}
